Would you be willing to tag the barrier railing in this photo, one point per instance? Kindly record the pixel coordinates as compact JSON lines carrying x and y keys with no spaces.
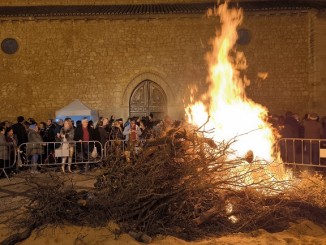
{"x":58,"y":153}
{"x":114,"y":147}
{"x":307,"y":152}
{"x":8,"y":156}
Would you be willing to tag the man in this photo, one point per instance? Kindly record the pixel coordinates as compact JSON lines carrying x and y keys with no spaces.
{"x":84,"y":134}
{"x":58,"y":129}
{"x":20,"y":130}
{"x":291,"y":130}
{"x":312,"y":130}
{"x":49,"y":136}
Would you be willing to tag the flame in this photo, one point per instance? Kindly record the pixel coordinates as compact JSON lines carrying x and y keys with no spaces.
{"x":231,"y":113}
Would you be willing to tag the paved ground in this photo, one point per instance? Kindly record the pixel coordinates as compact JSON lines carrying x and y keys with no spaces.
{"x":15,"y":192}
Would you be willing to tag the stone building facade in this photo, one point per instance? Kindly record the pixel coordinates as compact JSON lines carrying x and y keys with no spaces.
{"x":108,"y":61}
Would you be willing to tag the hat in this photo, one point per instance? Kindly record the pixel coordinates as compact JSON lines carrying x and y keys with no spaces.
{"x":32,"y":126}
{"x":313,"y":116}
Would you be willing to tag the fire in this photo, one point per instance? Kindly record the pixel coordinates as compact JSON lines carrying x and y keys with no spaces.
{"x":232,"y":114}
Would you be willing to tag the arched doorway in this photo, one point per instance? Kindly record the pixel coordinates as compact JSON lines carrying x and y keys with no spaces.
{"x":148,"y":97}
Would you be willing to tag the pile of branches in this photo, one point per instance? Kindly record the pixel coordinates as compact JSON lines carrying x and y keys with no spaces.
{"x":182,"y":184}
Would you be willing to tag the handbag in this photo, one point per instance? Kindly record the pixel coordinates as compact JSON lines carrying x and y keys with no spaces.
{"x":61,"y":152}
{"x":94,"y":152}
{"x":19,"y":162}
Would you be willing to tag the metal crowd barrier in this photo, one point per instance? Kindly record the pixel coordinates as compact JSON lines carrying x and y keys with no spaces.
{"x":8,"y":156}
{"x":307,"y":152}
{"x":52,"y":153}
{"x":114,"y":147}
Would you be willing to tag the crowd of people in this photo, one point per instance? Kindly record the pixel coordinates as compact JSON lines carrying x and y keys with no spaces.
{"x":135,"y":132}
{"x":302,"y":149}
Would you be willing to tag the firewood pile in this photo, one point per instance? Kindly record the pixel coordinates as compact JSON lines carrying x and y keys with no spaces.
{"x":184,"y":185}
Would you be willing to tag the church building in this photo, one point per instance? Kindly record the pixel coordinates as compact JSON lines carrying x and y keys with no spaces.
{"x":135,"y":57}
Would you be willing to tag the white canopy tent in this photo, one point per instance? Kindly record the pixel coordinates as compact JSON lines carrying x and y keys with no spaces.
{"x":76,"y":110}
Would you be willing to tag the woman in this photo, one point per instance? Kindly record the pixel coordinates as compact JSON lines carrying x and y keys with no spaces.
{"x":34,"y":147}
{"x":4,"y":153}
{"x":66,"y":136}
{"x":12,"y":139}
{"x":116,"y":131}
{"x":117,"y":137}
{"x":132,"y":133}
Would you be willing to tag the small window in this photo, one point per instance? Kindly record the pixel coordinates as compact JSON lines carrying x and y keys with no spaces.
{"x":9,"y":46}
{"x":244,"y":36}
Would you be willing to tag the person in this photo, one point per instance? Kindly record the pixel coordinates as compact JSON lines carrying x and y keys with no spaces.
{"x":34,"y":148}
{"x":106,"y":124}
{"x":116,"y":138}
{"x":312,"y":130}
{"x":150,"y":120}
{"x":31,"y":120}
{"x":4,"y":153}
{"x":49,"y":133}
{"x":20,"y":130}
{"x":57,"y":129}
{"x":67,"y":135}
{"x":78,"y":123}
{"x":291,"y":131}
{"x":11,"y":138}
{"x":132,"y":133}
{"x":42,"y":127}
{"x":84,"y":134}
{"x":127,"y":123}
{"x":103,"y":134}
{"x":146,"y":130}
{"x":116,"y":131}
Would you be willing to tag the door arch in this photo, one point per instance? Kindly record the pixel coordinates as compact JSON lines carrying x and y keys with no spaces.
{"x":148,"y":97}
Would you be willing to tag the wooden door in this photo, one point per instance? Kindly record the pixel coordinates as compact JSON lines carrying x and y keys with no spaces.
{"x":148,"y":97}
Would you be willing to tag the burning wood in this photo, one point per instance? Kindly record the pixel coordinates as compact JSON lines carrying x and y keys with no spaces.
{"x":191,"y":176}
{"x":155,"y":194}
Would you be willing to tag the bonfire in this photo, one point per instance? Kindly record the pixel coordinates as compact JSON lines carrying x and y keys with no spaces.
{"x":216,"y":174}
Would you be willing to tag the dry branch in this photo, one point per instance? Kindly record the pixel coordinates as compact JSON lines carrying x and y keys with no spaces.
{"x":182,"y":185}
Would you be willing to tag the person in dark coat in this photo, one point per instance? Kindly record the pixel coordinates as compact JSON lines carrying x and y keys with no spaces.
{"x":11,"y":138}
{"x":20,"y":130}
{"x":4,"y":149}
{"x":49,"y":134}
{"x":312,"y":130}
{"x":116,"y":131}
{"x":290,"y":131}
{"x":84,"y":134}
{"x":34,"y":148}
{"x":103,"y":134}
{"x":57,"y":130}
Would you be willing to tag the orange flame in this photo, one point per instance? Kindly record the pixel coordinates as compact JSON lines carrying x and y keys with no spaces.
{"x":231,"y":113}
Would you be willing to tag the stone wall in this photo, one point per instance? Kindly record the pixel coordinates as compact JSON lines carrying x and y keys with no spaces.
{"x":94,"y":61}
{"x":320,"y":64}
{"x":95,"y":2}
{"x":280,"y":46}
{"x":101,"y":61}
